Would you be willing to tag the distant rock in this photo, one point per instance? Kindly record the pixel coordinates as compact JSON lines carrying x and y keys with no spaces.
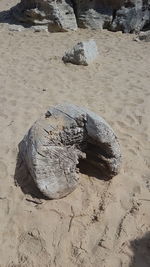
{"x":57,"y":142}
{"x":115,"y":15}
{"x":58,"y":15}
{"x":82,"y":53}
{"x":144,"y":36}
{"x":63,"y":15}
{"x":132,"y":17}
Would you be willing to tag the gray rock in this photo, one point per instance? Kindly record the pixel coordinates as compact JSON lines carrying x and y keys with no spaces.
{"x":131,"y":19}
{"x":82,"y":53}
{"x":16,"y":28}
{"x":40,"y":28}
{"x":57,"y":14}
{"x":125,"y":16}
{"x":57,"y":142}
{"x":64,"y":15}
{"x":144,"y":36}
{"x":93,"y":14}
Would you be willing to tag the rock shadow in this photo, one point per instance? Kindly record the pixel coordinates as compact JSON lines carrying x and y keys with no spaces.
{"x":141,"y":251}
{"x":89,"y":169}
{"x":6,"y":17}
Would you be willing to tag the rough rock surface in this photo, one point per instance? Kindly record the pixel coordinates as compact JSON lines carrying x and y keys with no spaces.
{"x":93,"y":14}
{"x":58,"y":140}
{"x":127,"y":16}
{"x":58,"y":15}
{"x":63,"y":15}
{"x":132,"y":16}
{"x":82,"y":53}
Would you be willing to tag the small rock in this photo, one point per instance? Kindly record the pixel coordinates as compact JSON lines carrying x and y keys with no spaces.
{"x":40,"y":28}
{"x":136,"y":39}
{"x":82,"y":53}
{"x":145,"y":36}
{"x":16,"y":28}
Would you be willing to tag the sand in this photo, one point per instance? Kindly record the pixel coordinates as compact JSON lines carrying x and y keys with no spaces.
{"x":102,"y":223}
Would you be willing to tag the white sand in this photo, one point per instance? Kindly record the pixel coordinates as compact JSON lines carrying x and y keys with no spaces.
{"x":93,"y":226}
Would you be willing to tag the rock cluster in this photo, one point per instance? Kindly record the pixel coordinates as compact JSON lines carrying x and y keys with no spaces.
{"x":57,"y":15}
{"x":64,"y":15}
{"x":57,"y":142}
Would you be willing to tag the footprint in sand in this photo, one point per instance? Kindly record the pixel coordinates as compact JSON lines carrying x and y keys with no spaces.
{"x":121,"y":124}
{"x":130,"y":119}
{"x":132,"y":151}
{"x":3,"y":170}
{"x":13,"y":102}
{"x":32,"y":251}
{"x":139,"y":101}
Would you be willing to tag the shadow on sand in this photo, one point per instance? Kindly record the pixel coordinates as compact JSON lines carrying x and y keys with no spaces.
{"x":7,"y":17}
{"x":141,"y":251}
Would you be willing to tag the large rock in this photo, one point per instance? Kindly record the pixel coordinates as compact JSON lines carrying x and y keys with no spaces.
{"x":132,"y":17}
{"x":93,"y":14}
{"x":82,"y":53}
{"x":57,"y":141}
{"x":127,"y":16}
{"x":57,"y":14}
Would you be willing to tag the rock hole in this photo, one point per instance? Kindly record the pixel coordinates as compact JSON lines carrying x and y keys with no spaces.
{"x":87,"y":168}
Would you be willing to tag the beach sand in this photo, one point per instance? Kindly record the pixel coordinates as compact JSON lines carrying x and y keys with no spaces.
{"x":98,"y":224}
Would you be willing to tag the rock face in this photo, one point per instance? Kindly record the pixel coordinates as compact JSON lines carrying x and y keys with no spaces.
{"x":63,"y":15}
{"x":127,"y":16}
{"x":57,"y":14}
{"x":57,"y":142}
{"x":132,"y":16}
{"x":93,"y":14}
{"x":82,"y":53}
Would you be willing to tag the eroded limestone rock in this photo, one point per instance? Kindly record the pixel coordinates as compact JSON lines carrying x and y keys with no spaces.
{"x":57,"y":14}
{"x":93,"y":14}
{"x":131,"y":17}
{"x":64,"y":15}
{"x":116,"y":15}
{"x":82,"y":53}
{"x":57,"y":142}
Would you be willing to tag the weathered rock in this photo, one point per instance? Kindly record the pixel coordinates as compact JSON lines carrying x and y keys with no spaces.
{"x":57,"y":14}
{"x":40,"y":28}
{"x":82,"y":53}
{"x":58,"y":140}
{"x":93,"y":14}
{"x":131,"y":18}
{"x":126,"y":15}
{"x":144,"y":36}
{"x":64,"y":15}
